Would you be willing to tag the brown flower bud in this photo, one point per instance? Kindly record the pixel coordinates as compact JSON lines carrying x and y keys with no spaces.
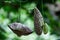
{"x":38,"y":21}
{"x":20,"y":29}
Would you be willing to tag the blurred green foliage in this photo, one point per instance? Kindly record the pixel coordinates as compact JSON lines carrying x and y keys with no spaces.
{"x":22,"y":11}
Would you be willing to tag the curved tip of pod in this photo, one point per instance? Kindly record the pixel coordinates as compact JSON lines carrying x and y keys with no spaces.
{"x":35,"y":9}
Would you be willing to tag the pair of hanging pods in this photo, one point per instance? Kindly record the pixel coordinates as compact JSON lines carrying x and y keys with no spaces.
{"x":39,"y":25}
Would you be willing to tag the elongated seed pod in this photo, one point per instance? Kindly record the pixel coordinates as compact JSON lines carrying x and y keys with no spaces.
{"x":20,"y":29}
{"x":38,"y":21}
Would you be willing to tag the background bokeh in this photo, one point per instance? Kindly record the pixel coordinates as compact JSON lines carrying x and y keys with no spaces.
{"x":22,"y":11}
